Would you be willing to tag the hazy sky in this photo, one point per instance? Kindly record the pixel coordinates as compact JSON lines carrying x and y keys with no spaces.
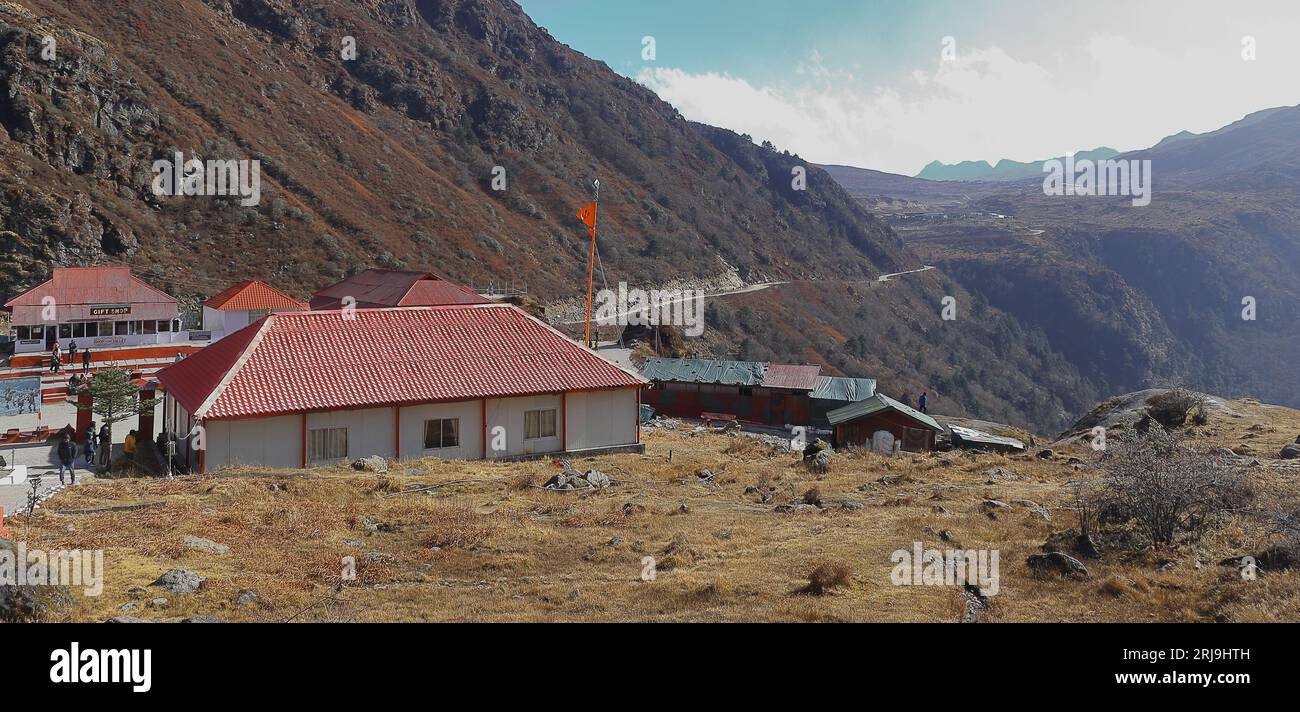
{"x":866,"y":83}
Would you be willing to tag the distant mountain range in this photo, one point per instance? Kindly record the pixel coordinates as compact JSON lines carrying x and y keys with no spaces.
{"x":1005,"y":169}
{"x":1135,"y":296}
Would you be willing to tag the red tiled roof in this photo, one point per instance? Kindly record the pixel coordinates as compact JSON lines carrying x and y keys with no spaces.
{"x":377,"y":288}
{"x":252,"y":294}
{"x":291,"y":362}
{"x":803,"y":378}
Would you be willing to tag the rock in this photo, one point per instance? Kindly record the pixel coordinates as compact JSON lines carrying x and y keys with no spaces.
{"x":198,"y":543}
{"x":128,"y":607}
{"x":158,"y":603}
{"x":246,"y":598}
{"x":179,"y":581}
{"x":1290,"y":452}
{"x":615,"y":541}
{"x":379,"y":557}
{"x":1224,"y":452}
{"x":947,"y":536}
{"x":597,"y":479}
{"x":1278,"y":557}
{"x":1046,"y":454}
{"x":202,"y":619}
{"x":1056,"y":562}
{"x":1000,"y":473}
{"x":994,"y":504}
{"x":127,"y":619}
{"x":357,"y":543}
{"x":704,"y":475}
{"x":852,"y":504}
{"x":374,"y":463}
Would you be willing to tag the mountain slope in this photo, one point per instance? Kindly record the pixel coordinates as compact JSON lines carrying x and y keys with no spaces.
{"x":1005,"y":169}
{"x":389,"y":160}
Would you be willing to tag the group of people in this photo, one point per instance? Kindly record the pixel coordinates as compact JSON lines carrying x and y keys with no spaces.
{"x":97,"y":450}
{"x":56,"y":357}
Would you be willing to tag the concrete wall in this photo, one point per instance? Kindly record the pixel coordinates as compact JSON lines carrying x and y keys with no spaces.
{"x":601,"y":418}
{"x":370,"y":431}
{"x":509,"y":414}
{"x":271,"y":442}
{"x":471,"y":430}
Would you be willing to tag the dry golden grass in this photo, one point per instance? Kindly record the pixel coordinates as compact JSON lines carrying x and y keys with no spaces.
{"x":491,"y":545}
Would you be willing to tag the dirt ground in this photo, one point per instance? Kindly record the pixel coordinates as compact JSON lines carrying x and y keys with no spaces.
{"x":485,"y":541}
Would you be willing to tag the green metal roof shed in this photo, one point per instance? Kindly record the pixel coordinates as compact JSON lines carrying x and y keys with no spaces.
{"x":877,"y":404}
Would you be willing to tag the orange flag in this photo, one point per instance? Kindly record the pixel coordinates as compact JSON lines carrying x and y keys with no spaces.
{"x":588,"y":217}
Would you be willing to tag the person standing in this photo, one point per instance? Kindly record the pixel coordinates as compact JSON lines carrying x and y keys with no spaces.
{"x":89,"y":448}
{"x":67,"y":454}
{"x":72,"y":352}
{"x":56,"y":357}
{"x":105,"y":446}
{"x":85,"y":360}
{"x":128,"y":446}
{"x":922,"y":402}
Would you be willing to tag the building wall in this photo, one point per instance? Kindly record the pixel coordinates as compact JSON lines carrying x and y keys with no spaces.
{"x":769,"y":406}
{"x":224,"y":322}
{"x":859,"y":432}
{"x":509,"y":414}
{"x":370,"y":430}
{"x":270,"y":442}
{"x":601,"y":418}
{"x":471,"y":430}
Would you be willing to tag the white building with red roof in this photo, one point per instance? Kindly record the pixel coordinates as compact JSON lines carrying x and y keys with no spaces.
{"x":298,"y":389}
{"x":98,"y":307}
{"x":242,"y":304}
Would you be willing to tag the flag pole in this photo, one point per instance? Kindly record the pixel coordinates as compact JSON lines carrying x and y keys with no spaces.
{"x":591,"y":260}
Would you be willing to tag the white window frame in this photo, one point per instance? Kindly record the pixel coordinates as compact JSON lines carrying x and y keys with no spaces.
{"x":540,"y":416}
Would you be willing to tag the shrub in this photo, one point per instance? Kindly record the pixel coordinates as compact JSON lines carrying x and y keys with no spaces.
{"x":825,"y":575}
{"x":1175,"y":406}
{"x":1162,"y":486}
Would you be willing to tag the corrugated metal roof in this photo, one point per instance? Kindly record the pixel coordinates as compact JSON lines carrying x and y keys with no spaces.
{"x":378,"y":288}
{"x":875,"y":404}
{"x":694,"y":370}
{"x":842,"y":388}
{"x":979,"y":436}
{"x":74,"y":286}
{"x":291,"y":362}
{"x":802,"y":378}
{"x":252,"y":294}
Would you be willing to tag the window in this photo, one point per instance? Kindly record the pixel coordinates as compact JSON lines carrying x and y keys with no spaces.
{"x":120,"y":328}
{"x":65,"y":331}
{"x":327,"y":444}
{"x":164,"y":327}
{"x":79,"y":329}
{"x":23,"y":333}
{"x":539,"y":424}
{"x":441,"y":432}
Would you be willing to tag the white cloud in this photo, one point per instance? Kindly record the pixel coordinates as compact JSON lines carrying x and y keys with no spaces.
{"x":1102,"y":89}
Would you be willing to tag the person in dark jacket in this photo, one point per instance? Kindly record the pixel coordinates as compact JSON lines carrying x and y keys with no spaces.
{"x":105,"y":446}
{"x":72,"y":352}
{"x":922,"y":402}
{"x":85,"y":361}
{"x":89,"y":448}
{"x":67,"y":452}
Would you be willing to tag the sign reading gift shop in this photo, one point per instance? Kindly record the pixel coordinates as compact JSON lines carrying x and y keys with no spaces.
{"x":110,"y":309}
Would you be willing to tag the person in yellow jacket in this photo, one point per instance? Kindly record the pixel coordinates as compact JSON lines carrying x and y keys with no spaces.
{"x":128,"y":447}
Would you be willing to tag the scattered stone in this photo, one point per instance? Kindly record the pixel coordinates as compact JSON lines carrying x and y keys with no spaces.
{"x":1291,"y":452}
{"x":683,"y":509}
{"x":158,"y":603}
{"x":201,"y":619}
{"x":198,"y":543}
{"x":246,"y":598}
{"x":1000,"y":473}
{"x":938,"y":509}
{"x":705,"y":475}
{"x":179,"y":581}
{"x":615,"y":542}
{"x":1046,"y":454}
{"x":1058,"y":562}
{"x":947,"y":536}
{"x":852,"y":504}
{"x":994,"y":504}
{"x":128,"y":607}
{"x":357,"y":543}
{"x":379,"y":557}
{"x":374,"y":463}
{"x":127,"y":619}
{"x":598,"y":479}
{"x":976,"y":603}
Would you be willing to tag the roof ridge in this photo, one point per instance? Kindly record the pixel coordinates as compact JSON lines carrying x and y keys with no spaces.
{"x":234,"y":369}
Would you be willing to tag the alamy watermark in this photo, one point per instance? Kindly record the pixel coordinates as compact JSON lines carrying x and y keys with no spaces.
{"x":1100,"y":177}
{"x":68,"y":567}
{"x":211,"y":177}
{"x":949,"y":567}
{"x":655,"y":307}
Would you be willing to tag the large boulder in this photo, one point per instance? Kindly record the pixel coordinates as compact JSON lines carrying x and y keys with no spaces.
{"x":374,"y":463}
{"x":29,"y":604}
{"x":1057,"y":562}
{"x":1290,"y":452}
{"x":179,"y":581}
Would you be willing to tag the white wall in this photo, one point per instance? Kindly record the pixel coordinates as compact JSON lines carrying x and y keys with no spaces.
{"x":271,"y":442}
{"x":370,"y":431}
{"x":221,"y":323}
{"x":601,"y":418}
{"x":509,"y":413}
{"x":471,"y":430}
